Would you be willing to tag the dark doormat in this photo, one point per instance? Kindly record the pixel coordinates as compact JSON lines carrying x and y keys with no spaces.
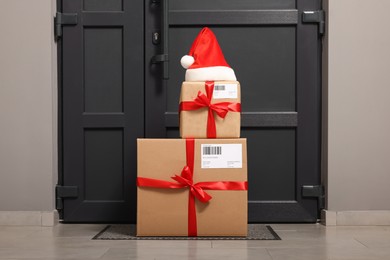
{"x":127,"y":232}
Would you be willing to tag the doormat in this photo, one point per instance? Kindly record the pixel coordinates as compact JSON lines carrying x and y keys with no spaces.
{"x":128,"y":231}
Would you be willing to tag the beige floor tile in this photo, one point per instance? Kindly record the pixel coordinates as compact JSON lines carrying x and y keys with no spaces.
{"x":359,"y":254}
{"x":51,"y":242}
{"x":18,"y":231}
{"x":305,"y":242}
{"x":298,"y":253}
{"x":357,"y":230}
{"x":299,"y":241}
{"x":87,"y":242}
{"x":70,"y":230}
{"x":187,"y":253}
{"x":328,"y":253}
{"x":172,"y":244}
{"x":40,"y":253}
{"x":20,"y":228}
{"x":375,"y":241}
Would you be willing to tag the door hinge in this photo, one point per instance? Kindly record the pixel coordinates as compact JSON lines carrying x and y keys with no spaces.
{"x":315,"y":17}
{"x":63,"y":192}
{"x":62,"y":19}
{"x":315,"y":191}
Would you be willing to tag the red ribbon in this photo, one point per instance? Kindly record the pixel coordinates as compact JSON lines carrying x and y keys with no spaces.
{"x":202,"y":100}
{"x":197,"y":190}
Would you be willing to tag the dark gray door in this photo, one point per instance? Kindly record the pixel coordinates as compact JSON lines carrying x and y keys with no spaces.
{"x":110,"y":94}
{"x":277,"y":61}
{"x":101,"y":109}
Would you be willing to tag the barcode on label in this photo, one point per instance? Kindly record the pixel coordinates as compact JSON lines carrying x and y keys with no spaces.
{"x":219,"y":87}
{"x":225,"y":91}
{"x":212,"y":150}
{"x":212,"y":156}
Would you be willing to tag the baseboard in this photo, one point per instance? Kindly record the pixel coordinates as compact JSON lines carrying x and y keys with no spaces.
{"x":29,"y":218}
{"x":356,"y":218}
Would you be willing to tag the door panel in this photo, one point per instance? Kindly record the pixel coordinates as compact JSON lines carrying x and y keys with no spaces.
{"x":103,"y":5}
{"x":277,"y":61}
{"x":104,"y":164}
{"x":269,"y":147}
{"x":102,"y":108}
{"x":230,"y":5}
{"x":103,"y":75}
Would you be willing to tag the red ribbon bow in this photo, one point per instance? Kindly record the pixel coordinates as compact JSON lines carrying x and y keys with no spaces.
{"x":221,"y":108}
{"x":185,"y":179}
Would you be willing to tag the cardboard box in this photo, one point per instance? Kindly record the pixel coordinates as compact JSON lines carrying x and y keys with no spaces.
{"x":193,"y":124}
{"x":164,"y":211}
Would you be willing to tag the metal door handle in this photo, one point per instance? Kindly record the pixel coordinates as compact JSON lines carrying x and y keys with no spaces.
{"x":163,"y":58}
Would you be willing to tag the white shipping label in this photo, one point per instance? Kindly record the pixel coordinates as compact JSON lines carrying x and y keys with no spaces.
{"x":221,"y":156}
{"x":225,"y":91}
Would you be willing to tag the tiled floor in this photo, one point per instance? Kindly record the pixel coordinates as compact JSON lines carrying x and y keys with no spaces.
{"x":299,"y":241}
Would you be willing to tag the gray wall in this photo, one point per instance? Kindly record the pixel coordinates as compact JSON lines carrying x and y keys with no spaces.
{"x":28,"y":150}
{"x":357,"y":89}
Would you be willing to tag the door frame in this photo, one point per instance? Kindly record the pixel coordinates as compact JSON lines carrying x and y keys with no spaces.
{"x":60,"y":152}
{"x":149,"y":27}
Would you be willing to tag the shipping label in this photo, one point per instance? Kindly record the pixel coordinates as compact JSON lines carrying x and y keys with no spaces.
{"x":225,"y":91}
{"x":221,"y":156}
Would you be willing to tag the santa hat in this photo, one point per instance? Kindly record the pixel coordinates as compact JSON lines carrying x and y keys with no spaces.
{"x":205,"y":60}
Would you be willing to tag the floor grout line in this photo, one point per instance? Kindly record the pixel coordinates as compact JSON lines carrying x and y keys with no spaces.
{"x":266,"y":249}
{"x":357,"y":240}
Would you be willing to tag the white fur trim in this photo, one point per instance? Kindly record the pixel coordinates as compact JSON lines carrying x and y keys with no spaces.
{"x":186,"y":61}
{"x":210,"y":73}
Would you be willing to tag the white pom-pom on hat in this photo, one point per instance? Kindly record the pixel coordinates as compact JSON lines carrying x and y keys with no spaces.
{"x":186,"y":61}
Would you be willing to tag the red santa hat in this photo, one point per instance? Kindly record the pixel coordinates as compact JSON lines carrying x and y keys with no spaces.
{"x":205,"y":61}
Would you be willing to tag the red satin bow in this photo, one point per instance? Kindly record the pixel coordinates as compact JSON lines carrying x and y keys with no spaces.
{"x":185,"y":179}
{"x":221,"y":108}
{"x":196,"y":189}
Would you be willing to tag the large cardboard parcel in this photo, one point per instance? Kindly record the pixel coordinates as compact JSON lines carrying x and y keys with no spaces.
{"x":164,"y":212}
{"x":193,"y":124}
